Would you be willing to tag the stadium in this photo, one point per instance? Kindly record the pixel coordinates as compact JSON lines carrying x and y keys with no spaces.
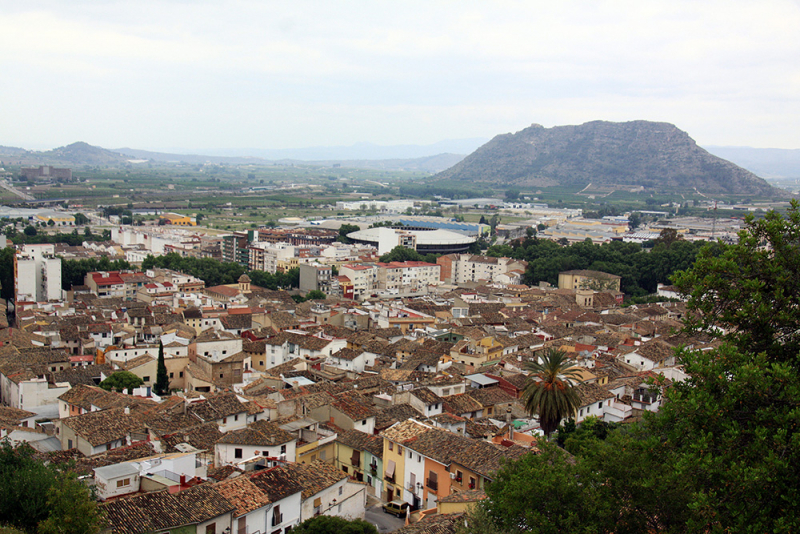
{"x":423,"y":240}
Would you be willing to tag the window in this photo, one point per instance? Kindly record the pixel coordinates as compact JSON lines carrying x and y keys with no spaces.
{"x":211,"y":529}
{"x":180,"y":374}
{"x":600,"y":405}
{"x":241,"y":526}
{"x":124,"y":482}
{"x":399,"y":449}
{"x":224,"y":420}
{"x":419,"y":457}
{"x":364,"y":422}
{"x":283,"y":449}
{"x":344,"y":468}
{"x":321,"y":455}
{"x":391,"y":445}
{"x":341,"y":490}
{"x":236,"y":417}
{"x":146,"y":378}
{"x":410,"y":454}
{"x":237,"y":453}
{"x":172,"y":375}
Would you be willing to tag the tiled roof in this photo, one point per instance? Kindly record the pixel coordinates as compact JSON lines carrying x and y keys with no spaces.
{"x":591,"y":393}
{"x":461,"y":403}
{"x":261,"y":433}
{"x":104,"y":426}
{"x":434,"y":524}
{"x":278,"y":482}
{"x":404,"y":431}
{"x":243,"y":494}
{"x":355,"y":439}
{"x":490,"y":396}
{"x":161,"y":511}
{"x":394,"y":414}
{"x":315,"y":477}
{"x":202,"y":437}
{"x":218,"y":406}
{"x":354,"y":406}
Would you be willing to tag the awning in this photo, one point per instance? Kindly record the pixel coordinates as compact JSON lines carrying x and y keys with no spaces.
{"x":390,"y":469}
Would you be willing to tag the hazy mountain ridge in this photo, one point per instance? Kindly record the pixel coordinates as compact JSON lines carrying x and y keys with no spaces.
{"x":766,"y":162}
{"x":629,"y":154}
{"x":81,"y":153}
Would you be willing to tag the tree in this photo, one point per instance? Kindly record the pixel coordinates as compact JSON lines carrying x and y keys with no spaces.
{"x":121,"y":380}
{"x":550,"y":392}
{"x":751,"y":289}
{"x":80,"y":219}
{"x":634,"y":220}
{"x":347,"y":229}
{"x":161,"y":386}
{"x":512,"y":194}
{"x":30,"y":230}
{"x":316,"y":294}
{"x":34,"y":495}
{"x":328,"y":524}
{"x":667,"y":236}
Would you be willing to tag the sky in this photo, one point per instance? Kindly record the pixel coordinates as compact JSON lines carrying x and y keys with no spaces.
{"x":164,"y":75}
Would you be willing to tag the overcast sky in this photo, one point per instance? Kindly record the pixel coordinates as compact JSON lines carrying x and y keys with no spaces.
{"x":239,"y":74}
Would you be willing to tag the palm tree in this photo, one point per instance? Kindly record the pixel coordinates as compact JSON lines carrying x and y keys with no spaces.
{"x":550,"y":392}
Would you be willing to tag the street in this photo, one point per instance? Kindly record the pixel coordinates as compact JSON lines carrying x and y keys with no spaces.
{"x":383,"y":521}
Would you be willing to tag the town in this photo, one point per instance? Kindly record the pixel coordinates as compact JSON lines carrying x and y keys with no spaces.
{"x":393,"y":384}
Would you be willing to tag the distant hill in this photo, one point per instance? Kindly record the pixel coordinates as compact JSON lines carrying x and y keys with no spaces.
{"x":654,"y":155}
{"x":83,"y":154}
{"x":766,"y":162}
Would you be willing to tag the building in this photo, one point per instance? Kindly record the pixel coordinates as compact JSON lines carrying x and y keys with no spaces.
{"x":363,"y":277}
{"x":585,"y":279}
{"x":407,"y":277}
{"x":175,"y":219}
{"x":46,"y":172}
{"x":235,"y":247}
{"x":463,"y":268}
{"x":37,"y":274}
{"x":314,"y":276}
{"x":423,"y":240}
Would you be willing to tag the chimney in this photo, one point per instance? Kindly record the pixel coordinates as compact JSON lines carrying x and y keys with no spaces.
{"x":183,"y":480}
{"x":127,"y":410}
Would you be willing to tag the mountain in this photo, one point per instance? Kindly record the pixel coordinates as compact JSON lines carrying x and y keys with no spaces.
{"x":357,"y":152}
{"x":431,"y":164}
{"x":81,"y":153}
{"x":766,"y":162}
{"x":654,"y":155}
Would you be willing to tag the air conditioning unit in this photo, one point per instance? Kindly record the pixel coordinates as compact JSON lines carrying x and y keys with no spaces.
{"x":453,"y":476}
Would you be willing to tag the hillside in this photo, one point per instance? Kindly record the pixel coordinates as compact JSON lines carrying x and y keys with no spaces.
{"x":654,"y":155}
{"x":82,"y":153}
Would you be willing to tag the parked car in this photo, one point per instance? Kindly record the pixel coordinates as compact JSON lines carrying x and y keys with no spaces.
{"x":396,"y":507}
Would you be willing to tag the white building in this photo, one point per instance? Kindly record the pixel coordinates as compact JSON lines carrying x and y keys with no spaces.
{"x":37,"y":274}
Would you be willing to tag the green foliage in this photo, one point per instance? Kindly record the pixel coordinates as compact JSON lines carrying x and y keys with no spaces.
{"x":723,"y":452}
{"x":81,"y":219}
{"x":752,"y":288}
{"x":30,"y":230}
{"x":121,"y":380}
{"x":315,"y":294}
{"x":401,"y":253}
{"x":550,"y":392}
{"x":328,"y":524}
{"x":215,"y":273}
{"x":161,"y":387}
{"x":39,"y":498}
{"x":347,"y":229}
{"x":641,"y":271}
{"x":73,"y":272}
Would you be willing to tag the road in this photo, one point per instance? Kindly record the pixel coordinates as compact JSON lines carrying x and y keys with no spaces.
{"x":383,"y":521}
{"x":25,"y":196}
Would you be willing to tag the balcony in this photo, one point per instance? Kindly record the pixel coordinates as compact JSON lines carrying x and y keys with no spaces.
{"x":277,"y":520}
{"x":374,"y":470}
{"x":389,"y":479}
{"x":433,"y":484}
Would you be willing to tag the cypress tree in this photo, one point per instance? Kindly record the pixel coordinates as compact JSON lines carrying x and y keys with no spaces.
{"x":162,"y":380}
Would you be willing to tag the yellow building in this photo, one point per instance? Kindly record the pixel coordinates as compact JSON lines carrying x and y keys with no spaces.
{"x":176,"y":219}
